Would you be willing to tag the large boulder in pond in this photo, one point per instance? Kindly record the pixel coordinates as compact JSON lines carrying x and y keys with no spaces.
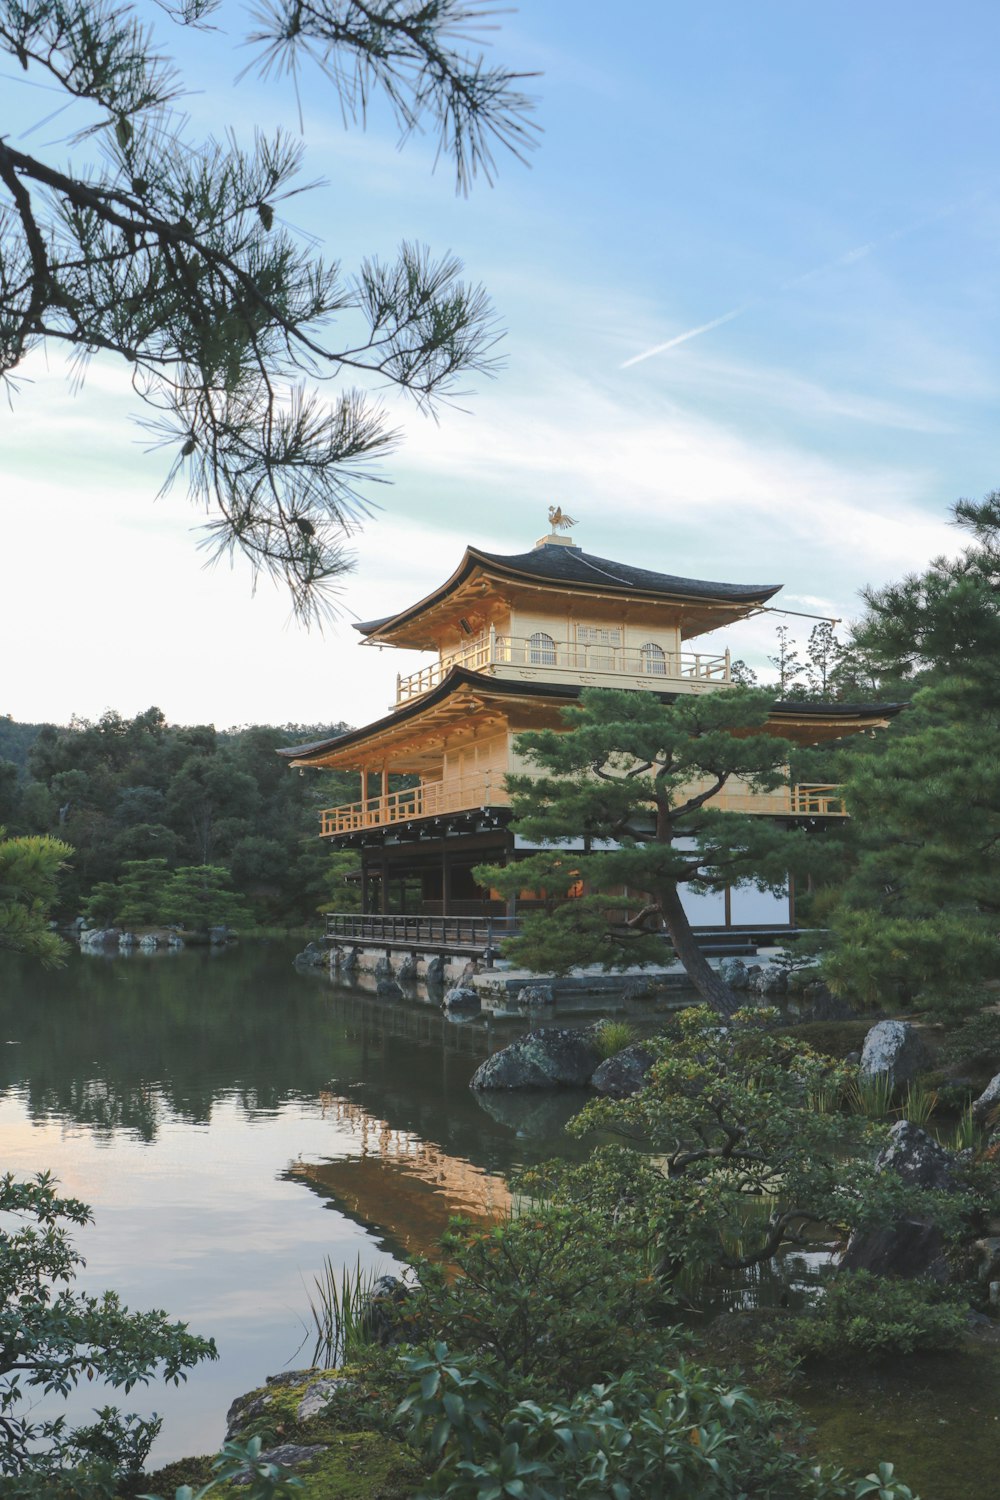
{"x":768,"y":979}
{"x":463,"y":998}
{"x":551,"y":1057}
{"x":896,"y":1048}
{"x":733,"y":971}
{"x":912,"y":1246}
{"x":624,"y":1073}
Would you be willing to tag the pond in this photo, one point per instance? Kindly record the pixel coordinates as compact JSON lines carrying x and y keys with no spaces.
{"x":232,"y":1122}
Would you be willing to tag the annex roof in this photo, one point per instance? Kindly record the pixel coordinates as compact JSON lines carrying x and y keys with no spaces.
{"x":815,"y":720}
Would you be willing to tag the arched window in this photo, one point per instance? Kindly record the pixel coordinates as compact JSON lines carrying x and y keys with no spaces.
{"x":501,"y":649}
{"x":541,"y":650}
{"x":654,"y":661}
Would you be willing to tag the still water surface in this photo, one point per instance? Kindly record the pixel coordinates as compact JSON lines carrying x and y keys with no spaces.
{"x":232,"y":1122}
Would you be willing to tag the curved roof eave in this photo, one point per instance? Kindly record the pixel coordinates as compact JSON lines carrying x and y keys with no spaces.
{"x":579,"y":569}
{"x":502,"y":687}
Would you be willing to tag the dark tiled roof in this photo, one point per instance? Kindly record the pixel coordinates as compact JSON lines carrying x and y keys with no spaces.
{"x":573,"y":565}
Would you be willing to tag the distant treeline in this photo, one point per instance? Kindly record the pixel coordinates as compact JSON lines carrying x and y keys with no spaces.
{"x":124,"y":790}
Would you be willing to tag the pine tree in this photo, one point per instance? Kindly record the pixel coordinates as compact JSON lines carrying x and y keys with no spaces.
{"x":636,"y":778}
{"x":921,"y":913}
{"x":171,"y":254}
{"x":786,"y":663}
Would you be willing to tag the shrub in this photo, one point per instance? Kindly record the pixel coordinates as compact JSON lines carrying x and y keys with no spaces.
{"x":976,"y":1043}
{"x":51,"y":1338}
{"x":548,"y":1295}
{"x":656,"y":1434}
{"x":875,"y":1316}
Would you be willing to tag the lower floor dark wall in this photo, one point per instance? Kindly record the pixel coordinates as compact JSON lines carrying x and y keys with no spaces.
{"x":434,"y":877}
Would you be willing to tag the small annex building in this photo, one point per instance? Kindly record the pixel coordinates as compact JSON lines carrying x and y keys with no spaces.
{"x":514,"y":640}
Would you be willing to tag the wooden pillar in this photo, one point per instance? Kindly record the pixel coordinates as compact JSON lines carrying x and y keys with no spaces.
{"x":445,"y":880}
{"x":384,"y":902}
{"x":384,"y":807}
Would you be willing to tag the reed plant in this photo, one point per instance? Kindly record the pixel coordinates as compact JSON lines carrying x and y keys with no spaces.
{"x":340,"y":1312}
{"x":871,"y":1095}
{"x":825,"y":1097}
{"x":967,"y":1131}
{"x":919,"y":1103}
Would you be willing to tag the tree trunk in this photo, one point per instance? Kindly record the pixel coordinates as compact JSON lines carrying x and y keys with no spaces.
{"x":712,"y":988}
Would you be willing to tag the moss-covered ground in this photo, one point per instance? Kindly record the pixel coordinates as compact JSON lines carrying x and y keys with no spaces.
{"x":355,"y":1464}
{"x":935,"y":1416}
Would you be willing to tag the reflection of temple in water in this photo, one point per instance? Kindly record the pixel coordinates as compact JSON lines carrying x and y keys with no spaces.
{"x":401,"y":1187}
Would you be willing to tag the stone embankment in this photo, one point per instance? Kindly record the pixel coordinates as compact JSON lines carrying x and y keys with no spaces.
{"x":105,"y":940}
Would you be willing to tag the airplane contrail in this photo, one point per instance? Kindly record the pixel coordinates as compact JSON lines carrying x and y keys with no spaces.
{"x":848,"y":258}
{"x":682,"y":338}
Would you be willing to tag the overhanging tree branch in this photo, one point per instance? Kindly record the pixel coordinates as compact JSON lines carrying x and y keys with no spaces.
{"x":170,"y":256}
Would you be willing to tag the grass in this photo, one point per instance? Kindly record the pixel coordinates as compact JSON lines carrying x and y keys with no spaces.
{"x":871,"y":1094}
{"x":919,"y":1103}
{"x":338,"y":1312}
{"x":611,"y":1036}
{"x":967,"y":1131}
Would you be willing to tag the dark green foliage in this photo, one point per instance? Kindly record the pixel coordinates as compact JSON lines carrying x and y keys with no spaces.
{"x":135,"y":899}
{"x":51,"y":1338}
{"x":533,"y":1294}
{"x":29,"y":875}
{"x":131,"y":796}
{"x":874,"y":1317}
{"x":753,"y":1151}
{"x":976,"y":1042}
{"x":642,"y":774}
{"x":919,"y":914}
{"x":674,"y":1433}
{"x":196,"y":897}
{"x":16,"y":741}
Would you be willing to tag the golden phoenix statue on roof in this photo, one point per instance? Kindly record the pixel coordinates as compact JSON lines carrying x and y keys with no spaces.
{"x":559,"y":520}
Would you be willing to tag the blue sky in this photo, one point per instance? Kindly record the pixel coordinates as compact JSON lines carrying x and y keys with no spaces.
{"x":816,"y":188}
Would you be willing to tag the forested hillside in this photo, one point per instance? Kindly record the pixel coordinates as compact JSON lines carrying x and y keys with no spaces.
{"x":125,"y":790}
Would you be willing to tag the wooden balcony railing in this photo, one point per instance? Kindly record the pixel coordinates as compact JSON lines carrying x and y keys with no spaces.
{"x":490,"y":652}
{"x":458,"y":794}
{"x":466,"y":793}
{"x":803,"y":800}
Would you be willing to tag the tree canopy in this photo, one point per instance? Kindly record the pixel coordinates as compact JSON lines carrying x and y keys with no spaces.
{"x":919,"y":914}
{"x":134,"y":797}
{"x":172,"y":254}
{"x":29,"y":874}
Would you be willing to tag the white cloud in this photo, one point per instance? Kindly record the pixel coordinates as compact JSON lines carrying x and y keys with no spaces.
{"x":107,"y":597}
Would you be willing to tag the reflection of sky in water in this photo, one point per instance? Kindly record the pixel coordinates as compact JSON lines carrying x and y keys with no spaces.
{"x":191,"y":1104}
{"x":206,"y":1224}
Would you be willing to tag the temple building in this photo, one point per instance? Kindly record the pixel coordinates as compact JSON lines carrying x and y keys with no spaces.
{"x":514,"y":640}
